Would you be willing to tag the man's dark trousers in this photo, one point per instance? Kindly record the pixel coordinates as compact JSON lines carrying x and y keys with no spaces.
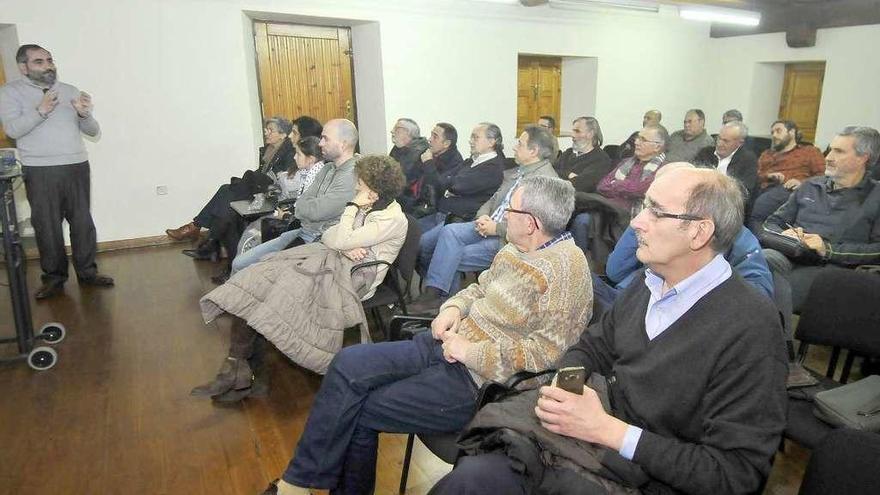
{"x":57,"y":193}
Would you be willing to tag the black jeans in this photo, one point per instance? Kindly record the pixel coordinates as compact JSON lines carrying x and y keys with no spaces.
{"x":486,"y":474}
{"x":766,"y":204}
{"x":57,"y":193}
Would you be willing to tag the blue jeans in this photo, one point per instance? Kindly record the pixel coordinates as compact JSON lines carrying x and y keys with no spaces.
{"x":255,"y":254}
{"x":580,"y":231}
{"x":428,"y":222}
{"x":395,"y":387}
{"x":604,"y":293}
{"x":458,"y":248}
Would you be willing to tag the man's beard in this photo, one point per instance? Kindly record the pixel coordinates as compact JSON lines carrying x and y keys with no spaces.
{"x":580,"y":147}
{"x":782,"y":143}
{"x":47,"y":77}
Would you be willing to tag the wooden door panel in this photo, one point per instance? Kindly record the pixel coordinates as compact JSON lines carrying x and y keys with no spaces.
{"x":304,"y":70}
{"x":801,"y":95}
{"x":538,"y":89}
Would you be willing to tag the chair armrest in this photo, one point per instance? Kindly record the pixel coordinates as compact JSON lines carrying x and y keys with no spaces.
{"x":521,"y":376}
{"x":368,"y":264}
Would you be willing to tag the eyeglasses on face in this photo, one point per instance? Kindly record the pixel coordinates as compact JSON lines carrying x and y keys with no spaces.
{"x":657,"y":213}
{"x":522,"y":212}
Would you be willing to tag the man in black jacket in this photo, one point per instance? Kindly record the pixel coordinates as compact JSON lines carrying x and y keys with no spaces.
{"x":836,"y":216}
{"x":585,"y":163}
{"x":694,"y":363}
{"x":462,"y":190}
{"x":442,"y":157}
{"x":730,"y":157}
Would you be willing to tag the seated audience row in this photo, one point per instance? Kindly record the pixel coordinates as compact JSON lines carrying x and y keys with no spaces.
{"x":318,"y":207}
{"x":528,"y":307}
{"x":671,"y":425}
{"x":834,"y":217}
{"x":302,"y":299}
{"x":471,"y":246}
{"x":686,"y":229}
{"x":277,"y":163}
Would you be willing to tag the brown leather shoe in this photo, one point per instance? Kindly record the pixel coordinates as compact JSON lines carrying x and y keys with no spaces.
{"x":189,"y":231}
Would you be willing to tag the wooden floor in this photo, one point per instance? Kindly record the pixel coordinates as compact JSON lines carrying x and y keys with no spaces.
{"x":115,"y":415}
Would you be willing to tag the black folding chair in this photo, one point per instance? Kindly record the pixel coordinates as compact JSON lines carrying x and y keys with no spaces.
{"x":395,"y":288}
{"x":842,"y":311}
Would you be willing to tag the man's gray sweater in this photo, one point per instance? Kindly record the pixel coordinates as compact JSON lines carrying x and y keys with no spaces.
{"x":42,"y":142}
{"x":320,"y":206}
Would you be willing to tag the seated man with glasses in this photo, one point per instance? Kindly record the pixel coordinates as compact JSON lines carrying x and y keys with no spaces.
{"x":528,"y":307}
{"x":624,"y":187}
{"x":745,"y":257}
{"x":694,"y":366}
{"x":836,"y":216}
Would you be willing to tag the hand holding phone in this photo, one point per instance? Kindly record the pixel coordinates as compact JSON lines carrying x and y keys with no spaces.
{"x":570,"y":379}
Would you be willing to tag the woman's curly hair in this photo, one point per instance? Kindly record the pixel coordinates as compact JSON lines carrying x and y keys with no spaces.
{"x":382,"y":174}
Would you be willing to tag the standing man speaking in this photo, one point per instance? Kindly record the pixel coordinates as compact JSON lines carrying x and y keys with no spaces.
{"x":46,"y":117}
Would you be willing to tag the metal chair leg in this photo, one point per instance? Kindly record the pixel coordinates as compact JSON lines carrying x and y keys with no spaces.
{"x":404,"y":470}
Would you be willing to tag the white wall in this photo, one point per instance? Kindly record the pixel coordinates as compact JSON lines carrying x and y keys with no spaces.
{"x":174,"y":82}
{"x":175,"y":87}
{"x":747,"y":64}
{"x":579,"y":76}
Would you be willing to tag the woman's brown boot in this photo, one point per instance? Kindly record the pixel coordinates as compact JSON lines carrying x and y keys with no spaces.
{"x":234,"y":374}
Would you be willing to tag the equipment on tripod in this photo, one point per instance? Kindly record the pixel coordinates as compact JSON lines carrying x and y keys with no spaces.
{"x":39,"y":357}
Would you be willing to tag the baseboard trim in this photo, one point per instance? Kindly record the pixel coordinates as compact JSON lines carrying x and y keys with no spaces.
{"x":31,"y":252}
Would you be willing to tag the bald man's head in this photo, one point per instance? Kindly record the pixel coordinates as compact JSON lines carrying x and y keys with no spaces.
{"x":338,"y":140}
{"x":652,"y":117}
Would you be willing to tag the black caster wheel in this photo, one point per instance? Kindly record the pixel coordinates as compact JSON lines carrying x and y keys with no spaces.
{"x":52,"y":333}
{"x":42,"y":358}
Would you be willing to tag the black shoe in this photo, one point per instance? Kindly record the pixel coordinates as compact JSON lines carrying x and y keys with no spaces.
{"x":97,"y":281}
{"x":208,"y":250}
{"x":272,"y":489}
{"x":427,"y":303}
{"x":222,"y":276}
{"x":49,"y":289}
{"x":232,"y":396}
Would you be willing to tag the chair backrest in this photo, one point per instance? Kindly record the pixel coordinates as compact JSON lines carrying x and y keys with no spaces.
{"x":613,"y":151}
{"x":406,"y":258}
{"x":844,"y":462}
{"x":843,"y":310}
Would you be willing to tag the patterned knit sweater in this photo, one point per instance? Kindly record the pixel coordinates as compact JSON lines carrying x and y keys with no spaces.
{"x":525,"y":310}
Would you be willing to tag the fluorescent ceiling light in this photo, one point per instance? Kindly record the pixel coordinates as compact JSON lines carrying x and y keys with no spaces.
{"x":721,"y":15}
{"x":643,"y":5}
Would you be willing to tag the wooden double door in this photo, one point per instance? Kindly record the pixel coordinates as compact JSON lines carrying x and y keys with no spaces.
{"x":539,"y":90}
{"x":305,"y":70}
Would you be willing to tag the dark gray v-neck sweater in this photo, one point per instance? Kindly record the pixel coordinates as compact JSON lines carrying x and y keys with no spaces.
{"x":709,"y":391}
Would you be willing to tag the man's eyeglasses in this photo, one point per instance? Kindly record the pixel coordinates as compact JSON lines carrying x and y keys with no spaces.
{"x":658,"y":213}
{"x":640,"y":139}
{"x":521,"y":212}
